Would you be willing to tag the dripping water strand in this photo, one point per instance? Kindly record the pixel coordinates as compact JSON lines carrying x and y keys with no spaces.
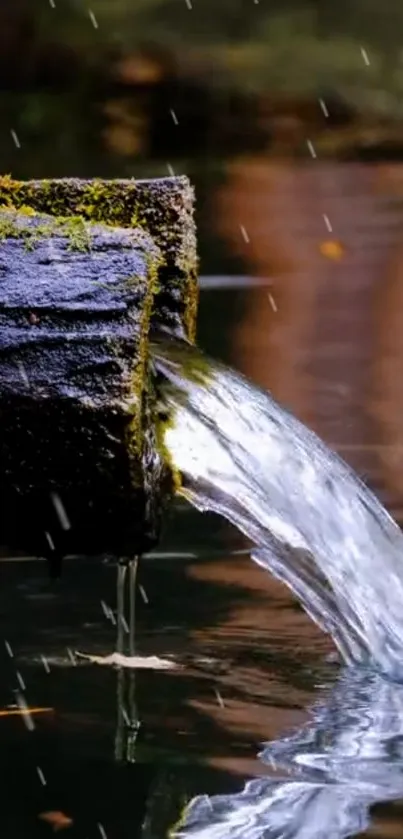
{"x":128,"y":721}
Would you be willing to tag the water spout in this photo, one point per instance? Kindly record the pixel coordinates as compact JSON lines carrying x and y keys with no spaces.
{"x":315,"y":525}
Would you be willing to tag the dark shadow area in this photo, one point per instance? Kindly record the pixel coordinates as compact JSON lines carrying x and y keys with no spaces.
{"x":74,"y":705}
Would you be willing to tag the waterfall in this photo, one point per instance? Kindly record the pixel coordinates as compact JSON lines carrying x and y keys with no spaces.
{"x":313,"y":522}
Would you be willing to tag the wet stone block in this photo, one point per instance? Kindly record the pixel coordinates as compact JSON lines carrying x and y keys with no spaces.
{"x":80,"y":470}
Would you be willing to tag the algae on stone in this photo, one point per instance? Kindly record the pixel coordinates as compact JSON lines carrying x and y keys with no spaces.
{"x":163,"y":207}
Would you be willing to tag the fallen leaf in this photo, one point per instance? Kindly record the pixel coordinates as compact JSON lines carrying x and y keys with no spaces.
{"x":18,"y":712}
{"x":147,"y":662}
{"x":56,"y":819}
{"x":332,"y":249}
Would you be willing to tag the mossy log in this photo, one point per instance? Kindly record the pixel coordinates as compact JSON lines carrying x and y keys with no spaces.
{"x":80,"y":470}
{"x":163,"y":208}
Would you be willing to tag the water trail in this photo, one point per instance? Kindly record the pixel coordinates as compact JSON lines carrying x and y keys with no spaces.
{"x":349,"y":757}
{"x":314,"y":523}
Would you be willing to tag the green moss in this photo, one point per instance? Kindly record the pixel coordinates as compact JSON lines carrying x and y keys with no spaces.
{"x":76,"y":231}
{"x":191,"y":301}
{"x":100,"y":201}
{"x":14,"y":225}
{"x":9,"y":230}
{"x":161,"y":427}
{"x":10,"y":192}
{"x":193,"y":365}
{"x":97,"y":200}
{"x":174,"y":830}
{"x":140,"y":378}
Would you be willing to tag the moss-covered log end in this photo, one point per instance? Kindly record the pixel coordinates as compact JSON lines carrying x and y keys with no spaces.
{"x":164,"y":208}
{"x":80,"y":466}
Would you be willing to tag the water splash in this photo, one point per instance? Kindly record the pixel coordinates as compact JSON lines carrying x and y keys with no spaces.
{"x":314,"y":523}
{"x":349,"y":757}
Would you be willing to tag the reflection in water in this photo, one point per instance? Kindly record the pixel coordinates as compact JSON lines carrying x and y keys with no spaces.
{"x":387,"y":368}
{"x":335,"y":336}
{"x":128,"y":722}
{"x":349,"y":757}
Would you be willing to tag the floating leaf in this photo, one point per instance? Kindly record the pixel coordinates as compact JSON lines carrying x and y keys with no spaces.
{"x":18,"y":712}
{"x":332,"y":249}
{"x":147,"y":662}
{"x":57,"y":819}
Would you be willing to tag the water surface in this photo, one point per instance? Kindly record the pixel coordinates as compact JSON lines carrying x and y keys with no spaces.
{"x":255,"y":667}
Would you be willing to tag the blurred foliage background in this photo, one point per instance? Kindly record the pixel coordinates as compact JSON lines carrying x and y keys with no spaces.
{"x":118,"y":78}
{"x":150,"y":87}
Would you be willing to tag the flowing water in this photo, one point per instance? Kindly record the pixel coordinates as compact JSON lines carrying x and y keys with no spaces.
{"x":329,"y":773}
{"x":318,"y":528}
